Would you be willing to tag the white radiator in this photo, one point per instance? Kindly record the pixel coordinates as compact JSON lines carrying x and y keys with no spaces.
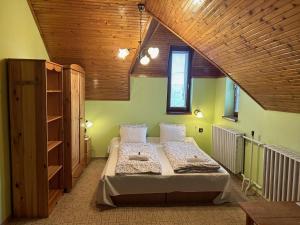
{"x":228,"y":148}
{"x":281,"y":174}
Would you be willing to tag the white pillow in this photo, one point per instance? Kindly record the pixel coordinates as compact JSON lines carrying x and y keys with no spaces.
{"x":133,"y":133}
{"x":172,"y":132}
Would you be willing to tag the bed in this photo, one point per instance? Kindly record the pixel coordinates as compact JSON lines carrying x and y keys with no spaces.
{"x":167,"y":188}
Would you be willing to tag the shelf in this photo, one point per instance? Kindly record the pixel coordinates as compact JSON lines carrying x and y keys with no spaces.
{"x":53,"y":118}
{"x":54,"y":91}
{"x":54,"y":196}
{"x":52,"y":170}
{"x":52,"y":144}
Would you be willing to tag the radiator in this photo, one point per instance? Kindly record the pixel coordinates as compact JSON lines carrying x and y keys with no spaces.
{"x":281,"y":174}
{"x":228,"y":148}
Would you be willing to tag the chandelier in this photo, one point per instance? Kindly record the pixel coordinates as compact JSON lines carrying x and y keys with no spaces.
{"x":145,"y":55}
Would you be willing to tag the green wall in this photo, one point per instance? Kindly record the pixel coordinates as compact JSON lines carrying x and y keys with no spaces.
{"x":270,"y":127}
{"x":19,"y":38}
{"x":148,"y":105}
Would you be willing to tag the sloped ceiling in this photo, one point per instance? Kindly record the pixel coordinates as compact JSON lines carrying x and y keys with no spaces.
{"x":89,"y":33}
{"x":257,"y":43}
{"x":162,"y":38}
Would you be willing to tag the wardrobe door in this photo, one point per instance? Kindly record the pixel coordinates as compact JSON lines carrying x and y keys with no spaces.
{"x":82,"y":116}
{"x":75,"y":143}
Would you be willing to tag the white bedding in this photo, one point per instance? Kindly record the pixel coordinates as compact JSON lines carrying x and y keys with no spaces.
{"x":111,"y":184}
{"x":127,"y":166}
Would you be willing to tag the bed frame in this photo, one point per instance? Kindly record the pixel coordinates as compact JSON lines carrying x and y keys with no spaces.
{"x":173,"y":198}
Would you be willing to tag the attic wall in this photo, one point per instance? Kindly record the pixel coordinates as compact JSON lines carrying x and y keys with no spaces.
{"x":257,"y":43}
{"x":277,"y":128}
{"x":163,"y":39}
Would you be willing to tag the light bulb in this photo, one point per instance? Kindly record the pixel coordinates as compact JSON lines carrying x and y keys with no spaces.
{"x":153,"y":52}
{"x":198,"y":1}
{"x":88,"y":124}
{"x":145,"y":60}
{"x":198,"y":113}
{"x":123,"y":53}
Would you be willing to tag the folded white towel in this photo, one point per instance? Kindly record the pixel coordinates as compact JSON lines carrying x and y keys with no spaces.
{"x":194,"y":159}
{"x":138,"y":157}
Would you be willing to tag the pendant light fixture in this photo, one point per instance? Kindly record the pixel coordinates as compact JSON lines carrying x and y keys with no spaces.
{"x":145,"y":55}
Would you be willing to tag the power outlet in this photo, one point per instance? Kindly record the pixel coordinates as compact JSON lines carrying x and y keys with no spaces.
{"x":200,"y":130}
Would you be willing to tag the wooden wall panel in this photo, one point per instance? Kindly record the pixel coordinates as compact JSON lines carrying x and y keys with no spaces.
{"x":257,"y":43}
{"x":89,"y":33}
{"x":163,"y":39}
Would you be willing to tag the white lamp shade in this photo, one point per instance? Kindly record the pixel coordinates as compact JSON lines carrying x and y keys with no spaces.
{"x":145,"y":60}
{"x":198,"y":1}
{"x":88,"y":124}
{"x":198,"y":113}
{"x":123,"y":53}
{"x":153,"y":52}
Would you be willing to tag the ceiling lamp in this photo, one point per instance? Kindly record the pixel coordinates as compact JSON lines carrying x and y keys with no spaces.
{"x":123,"y":53}
{"x":144,"y":56}
{"x":144,"y":60}
{"x":153,"y":52}
{"x":198,"y":1}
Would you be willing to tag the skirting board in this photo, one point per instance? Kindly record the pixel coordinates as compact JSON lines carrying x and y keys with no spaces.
{"x":6,"y":220}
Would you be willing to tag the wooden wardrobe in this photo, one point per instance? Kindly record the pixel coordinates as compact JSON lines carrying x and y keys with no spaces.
{"x":74,"y":123}
{"x":36,"y":136}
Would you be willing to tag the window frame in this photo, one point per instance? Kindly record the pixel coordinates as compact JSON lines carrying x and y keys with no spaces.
{"x":187,"y":108}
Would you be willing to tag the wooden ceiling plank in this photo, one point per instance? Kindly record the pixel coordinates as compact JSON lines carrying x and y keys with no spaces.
{"x":90,"y":33}
{"x":256,"y":42}
{"x":270,"y":30}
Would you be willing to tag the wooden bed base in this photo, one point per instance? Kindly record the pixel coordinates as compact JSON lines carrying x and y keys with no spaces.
{"x":165,"y":198}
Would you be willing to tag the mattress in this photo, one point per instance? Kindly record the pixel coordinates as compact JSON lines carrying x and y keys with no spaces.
{"x":112,"y":185}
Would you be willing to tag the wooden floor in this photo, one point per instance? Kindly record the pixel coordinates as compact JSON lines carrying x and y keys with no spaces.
{"x":78,"y":208}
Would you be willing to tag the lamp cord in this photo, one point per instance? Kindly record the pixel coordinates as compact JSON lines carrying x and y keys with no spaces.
{"x":140,"y":42}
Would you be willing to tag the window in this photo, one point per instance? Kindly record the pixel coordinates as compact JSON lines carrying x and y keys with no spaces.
{"x":236,"y":99}
{"x":179,"y":80}
{"x":232,"y":99}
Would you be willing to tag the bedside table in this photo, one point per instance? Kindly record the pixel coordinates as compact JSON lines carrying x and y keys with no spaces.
{"x":87,"y":150}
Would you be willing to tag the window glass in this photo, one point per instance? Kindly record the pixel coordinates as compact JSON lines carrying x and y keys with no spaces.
{"x":179,"y":79}
{"x":179,"y":75}
{"x":232,"y":99}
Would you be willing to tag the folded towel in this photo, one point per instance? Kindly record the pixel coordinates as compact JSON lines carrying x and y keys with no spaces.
{"x":138,"y":157}
{"x":194,"y":159}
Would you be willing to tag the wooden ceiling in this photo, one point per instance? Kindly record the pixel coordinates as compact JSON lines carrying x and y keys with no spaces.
{"x":89,"y":33}
{"x":162,"y":38}
{"x":257,"y":42}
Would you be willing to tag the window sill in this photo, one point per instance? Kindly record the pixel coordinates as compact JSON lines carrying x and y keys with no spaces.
{"x":230,"y":118}
{"x":179,"y":113}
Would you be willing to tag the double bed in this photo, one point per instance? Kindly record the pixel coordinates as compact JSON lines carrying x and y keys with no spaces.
{"x":168,"y":187}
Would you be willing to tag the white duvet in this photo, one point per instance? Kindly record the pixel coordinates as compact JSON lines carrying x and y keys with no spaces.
{"x":125,"y":165}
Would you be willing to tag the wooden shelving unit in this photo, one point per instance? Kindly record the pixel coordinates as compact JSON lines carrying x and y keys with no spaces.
{"x":52,"y":144}
{"x":54,"y":91}
{"x":37,"y":133}
{"x":53,"y":118}
{"x":53,"y":170}
{"x":55,"y":137}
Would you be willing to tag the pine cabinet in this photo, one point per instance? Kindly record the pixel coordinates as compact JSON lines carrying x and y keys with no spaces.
{"x":74,"y":114}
